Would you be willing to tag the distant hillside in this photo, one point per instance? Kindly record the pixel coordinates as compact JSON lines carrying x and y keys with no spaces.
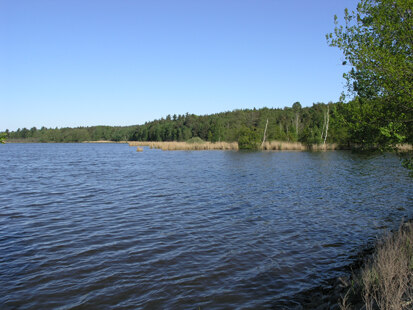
{"x":307,"y":125}
{"x":79,"y":134}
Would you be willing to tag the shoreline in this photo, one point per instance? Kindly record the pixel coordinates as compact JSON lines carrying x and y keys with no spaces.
{"x":344,"y":292}
{"x":233,"y":146}
{"x":226,"y":146}
{"x":266,"y":146}
{"x":20,"y":141}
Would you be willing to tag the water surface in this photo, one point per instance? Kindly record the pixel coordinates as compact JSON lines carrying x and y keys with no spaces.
{"x":103,"y":226}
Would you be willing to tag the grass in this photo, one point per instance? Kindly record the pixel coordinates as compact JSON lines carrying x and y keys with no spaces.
{"x":195,"y":144}
{"x":104,"y":141}
{"x":386,"y":281}
{"x":297,"y":146}
{"x":404,"y":147}
{"x":184,"y":146}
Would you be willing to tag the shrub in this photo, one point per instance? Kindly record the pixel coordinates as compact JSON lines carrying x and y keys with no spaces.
{"x":248,"y":139}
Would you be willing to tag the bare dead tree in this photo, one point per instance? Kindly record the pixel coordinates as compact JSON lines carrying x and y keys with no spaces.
{"x":324,"y":127}
{"x":297,"y":118}
{"x":265,"y":132}
{"x":327,"y":120}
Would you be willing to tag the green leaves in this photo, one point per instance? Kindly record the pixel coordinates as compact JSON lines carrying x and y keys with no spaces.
{"x":2,"y":138}
{"x":249,"y":139}
{"x":377,"y":41}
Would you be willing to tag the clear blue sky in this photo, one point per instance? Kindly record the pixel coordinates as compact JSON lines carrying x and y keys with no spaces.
{"x":123,"y":62}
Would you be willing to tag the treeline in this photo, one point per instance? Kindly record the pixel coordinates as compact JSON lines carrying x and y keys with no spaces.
{"x":306,"y":125}
{"x":63,"y":135}
{"x":294,"y":124}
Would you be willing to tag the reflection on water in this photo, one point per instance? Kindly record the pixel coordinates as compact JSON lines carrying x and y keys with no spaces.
{"x":104,"y":226}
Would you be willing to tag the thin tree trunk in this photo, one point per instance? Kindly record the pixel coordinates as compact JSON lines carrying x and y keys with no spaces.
{"x":324,"y":126}
{"x":265,"y":132}
{"x":328,"y":120}
{"x":296,"y":123}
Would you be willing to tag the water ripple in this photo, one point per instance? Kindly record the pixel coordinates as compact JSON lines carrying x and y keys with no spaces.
{"x":102,"y":226}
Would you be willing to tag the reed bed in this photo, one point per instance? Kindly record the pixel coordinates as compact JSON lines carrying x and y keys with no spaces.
{"x":267,"y":146}
{"x":104,"y":141}
{"x":297,"y":146}
{"x":139,"y":143}
{"x":404,"y":147}
{"x":183,"y":146}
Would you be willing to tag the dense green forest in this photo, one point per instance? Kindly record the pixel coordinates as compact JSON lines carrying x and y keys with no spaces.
{"x":307,"y":125}
{"x":78,"y":134}
{"x":289,"y":124}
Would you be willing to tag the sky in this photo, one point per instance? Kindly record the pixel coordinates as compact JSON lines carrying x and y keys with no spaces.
{"x":71,"y":63}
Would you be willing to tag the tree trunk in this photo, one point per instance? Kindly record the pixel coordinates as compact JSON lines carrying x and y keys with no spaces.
{"x":265,"y":132}
{"x":328,"y":120}
{"x":297,"y":117}
{"x":324,"y":127}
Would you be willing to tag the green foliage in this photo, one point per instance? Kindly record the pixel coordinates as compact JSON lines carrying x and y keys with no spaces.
{"x":249,"y":139}
{"x":298,"y":123}
{"x":3,"y":137}
{"x":79,"y":134}
{"x":408,"y":164}
{"x":296,"y":106}
{"x":312,"y":136}
{"x":376,"y":41}
{"x":288,"y":124}
{"x":196,"y":140}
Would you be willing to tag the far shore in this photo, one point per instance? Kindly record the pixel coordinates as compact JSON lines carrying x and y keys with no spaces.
{"x":266,"y":146}
{"x":37,"y":141}
{"x":232,"y":146}
{"x":104,"y":141}
{"x":224,"y":146}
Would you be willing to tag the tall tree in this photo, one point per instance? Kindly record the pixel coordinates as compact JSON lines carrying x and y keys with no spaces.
{"x":377,"y":42}
{"x":297,"y":109}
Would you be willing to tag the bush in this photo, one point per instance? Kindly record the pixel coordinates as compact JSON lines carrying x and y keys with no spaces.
{"x":2,"y":138}
{"x":248,"y":139}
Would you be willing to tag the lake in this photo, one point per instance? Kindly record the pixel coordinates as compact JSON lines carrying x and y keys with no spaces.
{"x":103,"y":226}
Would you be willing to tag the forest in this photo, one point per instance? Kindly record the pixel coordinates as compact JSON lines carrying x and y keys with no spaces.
{"x":296,"y":124}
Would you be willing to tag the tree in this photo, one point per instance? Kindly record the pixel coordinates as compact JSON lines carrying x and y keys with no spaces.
{"x":3,"y":138}
{"x":297,"y":109}
{"x":249,"y":139}
{"x":24,"y":133}
{"x":324,"y":131}
{"x":377,"y":42}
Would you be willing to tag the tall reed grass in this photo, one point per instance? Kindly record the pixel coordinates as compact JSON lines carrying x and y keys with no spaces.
{"x":297,"y":146}
{"x":388,"y":277}
{"x":267,"y":146}
{"x":104,"y":141}
{"x":386,"y":281}
{"x":404,"y":147}
{"x":183,"y":146}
